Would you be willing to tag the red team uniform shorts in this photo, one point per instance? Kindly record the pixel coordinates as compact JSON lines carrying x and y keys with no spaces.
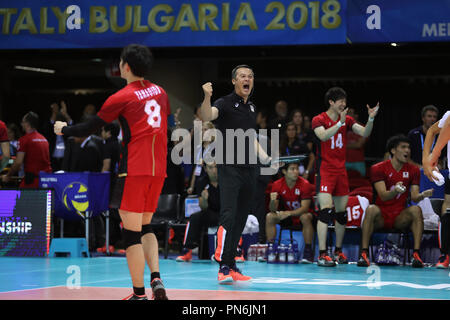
{"x":389,"y":215}
{"x":138,"y":193}
{"x":335,"y":184}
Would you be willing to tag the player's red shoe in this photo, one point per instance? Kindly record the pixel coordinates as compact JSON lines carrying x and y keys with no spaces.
{"x":340,"y":257}
{"x":416,"y":262}
{"x":443,"y":262}
{"x":135,"y":297}
{"x":363,"y":260}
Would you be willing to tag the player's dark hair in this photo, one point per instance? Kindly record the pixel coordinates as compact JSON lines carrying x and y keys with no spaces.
{"x":113,"y":128}
{"x":32,"y":119}
{"x":429,"y":108}
{"x":394,"y":141}
{"x":334,"y":94}
{"x":286,"y":166}
{"x":139,"y":58}
{"x":234,"y":71}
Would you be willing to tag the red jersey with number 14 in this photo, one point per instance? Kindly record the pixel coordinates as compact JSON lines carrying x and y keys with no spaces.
{"x":331,"y":154}
{"x":142,"y":109}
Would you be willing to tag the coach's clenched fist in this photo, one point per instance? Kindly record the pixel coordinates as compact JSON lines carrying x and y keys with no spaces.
{"x":58,"y":127}
{"x":207,"y":89}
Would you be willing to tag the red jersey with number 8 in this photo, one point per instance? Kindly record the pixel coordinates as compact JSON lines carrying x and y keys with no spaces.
{"x":142,"y":109}
{"x":331,"y":154}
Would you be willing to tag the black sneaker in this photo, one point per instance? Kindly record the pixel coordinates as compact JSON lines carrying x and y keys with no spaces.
{"x":135,"y":297}
{"x":308,"y":256}
{"x":363,"y":260}
{"x":159,"y":292}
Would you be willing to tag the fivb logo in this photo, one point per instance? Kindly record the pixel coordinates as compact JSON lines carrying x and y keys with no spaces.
{"x":182,"y":152}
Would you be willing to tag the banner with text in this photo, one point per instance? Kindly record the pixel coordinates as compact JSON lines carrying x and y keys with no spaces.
{"x":169,"y":23}
{"x":398,"y":21}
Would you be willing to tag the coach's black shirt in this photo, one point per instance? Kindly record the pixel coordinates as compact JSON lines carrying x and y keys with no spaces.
{"x":235,"y":114}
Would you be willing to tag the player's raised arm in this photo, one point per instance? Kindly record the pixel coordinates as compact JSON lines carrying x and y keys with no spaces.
{"x":208,"y":112}
{"x":366,"y":130}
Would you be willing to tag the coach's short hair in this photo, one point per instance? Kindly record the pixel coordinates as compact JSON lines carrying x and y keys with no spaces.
{"x":429,"y":107}
{"x":334,"y":94}
{"x":32,"y":119}
{"x":139,"y":58}
{"x":394,"y":141}
{"x":235,"y":69}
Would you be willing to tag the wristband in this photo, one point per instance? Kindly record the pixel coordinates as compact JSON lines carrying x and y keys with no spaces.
{"x":371,"y":119}
{"x":340,"y":124}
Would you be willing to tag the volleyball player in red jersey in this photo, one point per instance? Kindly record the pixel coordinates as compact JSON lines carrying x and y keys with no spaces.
{"x":295,"y":195}
{"x":142,"y":109}
{"x":4,"y":145}
{"x":330,"y":128}
{"x":393,"y":179}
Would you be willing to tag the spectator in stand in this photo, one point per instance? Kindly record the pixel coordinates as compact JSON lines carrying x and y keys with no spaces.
{"x":417,"y":135}
{"x":4,"y":146}
{"x":355,"y":148}
{"x":307,"y":122}
{"x":281,"y":113}
{"x":33,"y":153}
{"x":302,"y":133}
{"x":290,"y":144}
{"x":13,"y":134}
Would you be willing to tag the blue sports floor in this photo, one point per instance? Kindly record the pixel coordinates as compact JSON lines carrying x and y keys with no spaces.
{"x":87,"y":278}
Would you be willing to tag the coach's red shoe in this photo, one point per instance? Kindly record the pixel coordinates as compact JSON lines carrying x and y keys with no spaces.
{"x":237,"y":275}
{"x":224,"y":276}
{"x":185,"y":257}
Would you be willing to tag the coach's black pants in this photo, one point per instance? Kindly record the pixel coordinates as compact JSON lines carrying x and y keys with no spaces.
{"x":236,"y":187}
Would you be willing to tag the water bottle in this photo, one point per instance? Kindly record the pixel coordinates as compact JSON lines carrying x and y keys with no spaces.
{"x":251,"y":254}
{"x":296,"y":252}
{"x":290,"y":254}
{"x":380,"y":255}
{"x":282,"y":253}
{"x":261,"y":254}
{"x":272,"y":253}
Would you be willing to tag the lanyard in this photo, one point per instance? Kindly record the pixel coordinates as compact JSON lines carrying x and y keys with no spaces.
{"x":434,"y":142}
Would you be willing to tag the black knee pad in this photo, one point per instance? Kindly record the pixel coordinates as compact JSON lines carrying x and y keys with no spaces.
{"x":131,"y":238}
{"x":341,"y":217}
{"x":146,"y":228}
{"x":326,"y":215}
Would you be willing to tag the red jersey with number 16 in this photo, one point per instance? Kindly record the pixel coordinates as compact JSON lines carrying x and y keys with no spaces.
{"x":142,"y":109}
{"x":331,"y":154}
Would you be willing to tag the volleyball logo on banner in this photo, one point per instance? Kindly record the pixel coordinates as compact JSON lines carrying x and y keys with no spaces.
{"x":75,"y":198}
